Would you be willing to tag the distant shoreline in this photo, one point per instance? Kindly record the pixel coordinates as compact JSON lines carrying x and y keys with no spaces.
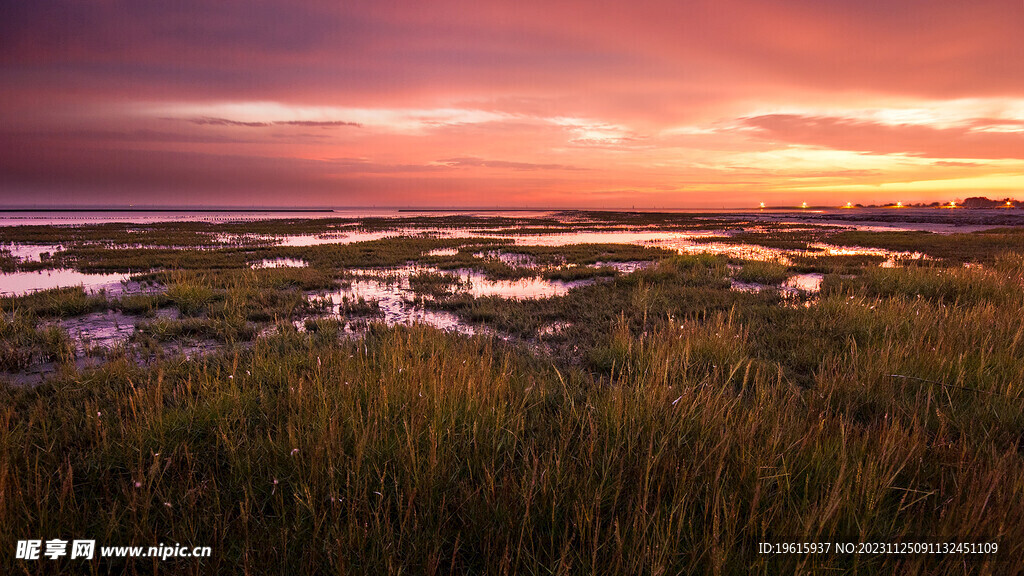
{"x":473,"y":210}
{"x":197,"y":210}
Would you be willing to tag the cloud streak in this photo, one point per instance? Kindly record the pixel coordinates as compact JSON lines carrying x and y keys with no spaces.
{"x":503,"y":164}
{"x":306,"y":123}
{"x":967,"y":141}
{"x":700,"y":103}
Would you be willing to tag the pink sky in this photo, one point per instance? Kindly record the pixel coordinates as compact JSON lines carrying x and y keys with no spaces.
{"x":701,"y":103}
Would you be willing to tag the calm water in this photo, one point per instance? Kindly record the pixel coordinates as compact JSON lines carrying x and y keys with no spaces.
{"x":18,"y":283}
{"x":929,"y":219}
{"x":689,"y":242}
{"x":391,"y":290}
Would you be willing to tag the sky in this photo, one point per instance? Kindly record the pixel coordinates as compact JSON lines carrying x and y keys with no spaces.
{"x":451,"y":103}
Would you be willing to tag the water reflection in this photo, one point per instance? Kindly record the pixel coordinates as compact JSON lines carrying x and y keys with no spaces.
{"x":804,"y":282}
{"x":280,"y":263}
{"x":610,"y":237}
{"x":32,"y":252}
{"x":626,"y":267}
{"x":391,"y":290}
{"x":395,"y":304}
{"x":740,"y":251}
{"x":18,"y":283}
{"x":831,"y":250}
{"x":793,"y":286}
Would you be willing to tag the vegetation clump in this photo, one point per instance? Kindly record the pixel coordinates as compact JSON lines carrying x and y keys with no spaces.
{"x":56,"y":302}
{"x":763,"y":272}
{"x":433,"y":284}
{"x":23,"y":343}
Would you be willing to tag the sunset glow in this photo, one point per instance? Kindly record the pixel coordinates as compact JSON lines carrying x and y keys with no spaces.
{"x":528,"y":104}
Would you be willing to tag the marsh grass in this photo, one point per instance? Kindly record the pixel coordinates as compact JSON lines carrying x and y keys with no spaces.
{"x":191,"y":294}
{"x":669,"y":426}
{"x":589,"y":254}
{"x":56,"y":302}
{"x":415,"y":450}
{"x":574,"y":273}
{"x":225,"y":330}
{"x":675,"y":286}
{"x":833,"y":264}
{"x":101,"y":257}
{"x":763,"y":272}
{"x":940,"y":284}
{"x":8,"y":261}
{"x":552,"y":262}
{"x":328,"y":329}
{"x":359,"y":306}
{"x":982,"y":246}
{"x":140,"y":304}
{"x":490,"y":265}
{"x":23,"y":343}
{"x":434,"y":284}
{"x":780,"y":239}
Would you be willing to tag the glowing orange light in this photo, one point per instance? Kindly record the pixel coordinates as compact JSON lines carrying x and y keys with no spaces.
{"x":762,"y":204}
{"x":952,"y":204}
{"x":804,"y":205}
{"x":899,"y":204}
{"x":849,"y":204}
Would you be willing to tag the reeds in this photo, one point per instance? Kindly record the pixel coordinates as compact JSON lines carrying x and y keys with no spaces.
{"x":763,"y":272}
{"x":413,"y":450}
{"x":56,"y":302}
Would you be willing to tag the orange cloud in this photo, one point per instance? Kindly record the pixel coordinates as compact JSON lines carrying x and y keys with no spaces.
{"x":698,"y":103}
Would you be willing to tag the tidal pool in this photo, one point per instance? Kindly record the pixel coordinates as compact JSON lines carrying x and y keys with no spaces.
{"x":19,"y":283}
{"x":392,"y":292}
{"x":31,"y":252}
{"x":792,"y":286}
{"x":395,"y":304}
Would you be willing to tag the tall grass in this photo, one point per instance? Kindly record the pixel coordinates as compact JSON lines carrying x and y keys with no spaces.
{"x":418,"y":451}
{"x":8,"y":261}
{"x":574,"y":273}
{"x":947,"y":285}
{"x":23,"y":343}
{"x":434,"y":284}
{"x":190,"y":293}
{"x":55,"y":302}
{"x":763,"y":272}
{"x":980,"y":246}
